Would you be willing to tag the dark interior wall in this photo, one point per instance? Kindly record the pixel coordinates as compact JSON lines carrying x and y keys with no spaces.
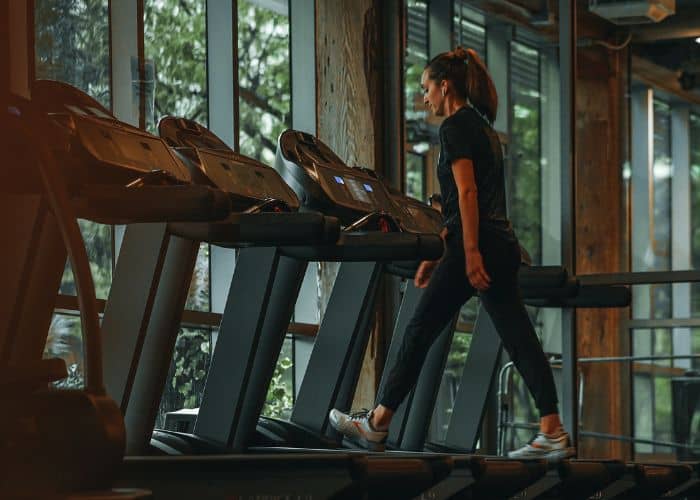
{"x":4,"y":50}
{"x":600,"y":227}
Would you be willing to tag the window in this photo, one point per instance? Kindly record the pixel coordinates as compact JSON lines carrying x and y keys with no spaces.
{"x":524,"y":185}
{"x":468,"y":31}
{"x":695,"y":207}
{"x":418,"y":134}
{"x":660,"y":260}
{"x":175,"y":47}
{"x":264,"y":113}
{"x":188,"y":372}
{"x":72,"y":44}
{"x":264,"y":76}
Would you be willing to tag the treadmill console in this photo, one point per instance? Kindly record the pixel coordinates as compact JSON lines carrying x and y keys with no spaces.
{"x":247,"y":180}
{"x":235,"y":174}
{"x":418,"y":217}
{"x":323,"y":182}
{"x":102,"y":148}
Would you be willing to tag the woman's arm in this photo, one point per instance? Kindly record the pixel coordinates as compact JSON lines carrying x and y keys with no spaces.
{"x":463,"y":171}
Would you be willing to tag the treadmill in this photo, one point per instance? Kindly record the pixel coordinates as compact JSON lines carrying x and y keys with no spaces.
{"x":242,"y":364}
{"x":119,"y":174}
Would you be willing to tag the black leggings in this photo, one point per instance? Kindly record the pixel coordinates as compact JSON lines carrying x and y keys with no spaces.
{"x":447,"y":291}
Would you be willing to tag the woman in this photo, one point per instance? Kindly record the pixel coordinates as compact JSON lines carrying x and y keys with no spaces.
{"x":481,"y":256}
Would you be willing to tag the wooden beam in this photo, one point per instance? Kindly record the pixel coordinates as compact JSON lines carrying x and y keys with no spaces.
{"x":601,"y":87}
{"x":684,"y":24}
{"x":661,"y":78}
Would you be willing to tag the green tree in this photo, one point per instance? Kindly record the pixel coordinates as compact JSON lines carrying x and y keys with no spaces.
{"x":175,"y":45}
{"x":72,"y":44}
{"x":264,"y":78}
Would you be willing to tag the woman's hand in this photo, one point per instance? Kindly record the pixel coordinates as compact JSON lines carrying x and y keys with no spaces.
{"x":476,"y":272}
{"x":424,"y":272}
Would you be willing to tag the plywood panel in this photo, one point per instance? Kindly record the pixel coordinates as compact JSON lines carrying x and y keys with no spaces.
{"x":599,"y":233}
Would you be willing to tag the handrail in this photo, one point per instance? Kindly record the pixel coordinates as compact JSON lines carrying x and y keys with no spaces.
{"x":640,"y":278}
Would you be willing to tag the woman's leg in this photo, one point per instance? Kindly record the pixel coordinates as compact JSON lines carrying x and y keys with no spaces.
{"x":447,"y":290}
{"x":509,"y":316}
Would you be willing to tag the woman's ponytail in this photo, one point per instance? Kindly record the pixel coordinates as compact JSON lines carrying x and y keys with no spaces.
{"x":469,"y":77}
{"x":481,"y":90}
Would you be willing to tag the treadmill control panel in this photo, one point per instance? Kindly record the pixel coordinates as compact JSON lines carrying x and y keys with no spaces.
{"x":418,"y":217}
{"x":111,"y":144}
{"x":245,"y":179}
{"x":237,"y":174}
{"x":323,"y":181}
{"x":106,"y":143}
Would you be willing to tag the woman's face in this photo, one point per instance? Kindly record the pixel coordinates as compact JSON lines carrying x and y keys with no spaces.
{"x":432,"y":94}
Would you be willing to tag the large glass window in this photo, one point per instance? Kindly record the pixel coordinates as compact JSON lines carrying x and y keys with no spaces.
{"x":175,"y":46}
{"x":264,"y":76}
{"x":72,"y":44}
{"x":524,"y":183}
{"x":695,"y":207}
{"x":264,"y":113}
{"x":467,"y":30}
{"x":418,"y":134}
{"x":188,"y":372}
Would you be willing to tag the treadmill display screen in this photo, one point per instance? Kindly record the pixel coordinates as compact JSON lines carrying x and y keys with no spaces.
{"x":243,"y":178}
{"x":358,"y":192}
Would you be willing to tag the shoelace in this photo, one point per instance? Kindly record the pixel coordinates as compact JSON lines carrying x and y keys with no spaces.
{"x":359,"y":414}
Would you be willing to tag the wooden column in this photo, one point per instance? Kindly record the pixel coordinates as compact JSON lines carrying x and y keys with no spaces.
{"x":349,"y":116}
{"x":601,"y":123}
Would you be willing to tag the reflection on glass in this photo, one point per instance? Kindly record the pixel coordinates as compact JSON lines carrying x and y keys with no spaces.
{"x":198,"y":296}
{"x":98,"y":243}
{"x":280,"y":393}
{"x":72,"y":44}
{"x":188,"y":372}
{"x":264,"y":78}
{"x":449,"y":385}
{"x":65,"y":341}
{"x":524,"y":186}
{"x":175,"y":43}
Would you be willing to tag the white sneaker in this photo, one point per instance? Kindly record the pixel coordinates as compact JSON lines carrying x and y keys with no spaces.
{"x":550,"y":447}
{"x":356,"y":426}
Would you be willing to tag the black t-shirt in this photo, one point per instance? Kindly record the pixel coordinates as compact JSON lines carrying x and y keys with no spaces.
{"x":466,"y":134}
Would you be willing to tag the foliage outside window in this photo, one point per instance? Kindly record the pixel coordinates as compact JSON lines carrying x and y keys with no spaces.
{"x":695,"y":227}
{"x":418,"y":135}
{"x":175,"y":45}
{"x":264,"y":79}
{"x":264,"y":113}
{"x":524,"y":180}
